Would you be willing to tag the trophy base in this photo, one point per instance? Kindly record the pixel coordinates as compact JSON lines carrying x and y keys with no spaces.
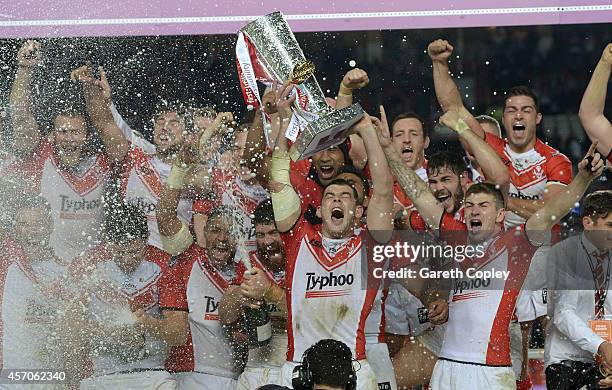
{"x":325,"y":132}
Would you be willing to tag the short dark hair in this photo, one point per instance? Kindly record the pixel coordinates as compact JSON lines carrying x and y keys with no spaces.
{"x":597,"y":205}
{"x":264,"y":213}
{"x":330,"y":362}
{"x":342,"y":182}
{"x":522,"y":90}
{"x":446,"y":159}
{"x":70,"y":112}
{"x":411,"y":115}
{"x":222,"y":211}
{"x":165,"y":107}
{"x":490,"y":189}
{"x":358,"y":172}
{"x":124,"y":223}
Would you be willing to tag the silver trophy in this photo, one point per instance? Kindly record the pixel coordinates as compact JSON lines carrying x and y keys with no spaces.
{"x":283,"y":58}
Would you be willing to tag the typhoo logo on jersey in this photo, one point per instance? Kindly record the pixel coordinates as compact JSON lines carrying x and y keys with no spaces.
{"x":143,"y":204}
{"x":523,"y":196}
{"x":74,"y":205}
{"x":212,"y":305}
{"x":315,"y":284}
{"x":471,"y":284}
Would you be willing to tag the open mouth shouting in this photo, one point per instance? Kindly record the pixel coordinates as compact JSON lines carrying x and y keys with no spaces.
{"x":337,"y":215}
{"x":220,"y":251}
{"x":519,"y":128}
{"x":475,"y":225}
{"x":326,"y":171}
{"x":407,"y":152}
{"x":444,"y":198}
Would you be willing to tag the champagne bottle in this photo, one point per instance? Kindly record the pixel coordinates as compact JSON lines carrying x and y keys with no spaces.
{"x":258,"y":325}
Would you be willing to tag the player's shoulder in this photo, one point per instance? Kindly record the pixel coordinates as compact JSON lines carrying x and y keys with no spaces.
{"x":549,"y":153}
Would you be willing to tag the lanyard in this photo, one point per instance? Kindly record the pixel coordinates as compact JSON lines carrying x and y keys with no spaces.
{"x":592,"y":265}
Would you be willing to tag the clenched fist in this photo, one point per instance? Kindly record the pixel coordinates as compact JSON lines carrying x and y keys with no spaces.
{"x":355,"y":79}
{"x":29,"y":54}
{"x":439,"y":50}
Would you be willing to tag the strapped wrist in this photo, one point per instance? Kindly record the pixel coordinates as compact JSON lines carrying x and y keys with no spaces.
{"x":176,"y":179}
{"x":461,"y":127}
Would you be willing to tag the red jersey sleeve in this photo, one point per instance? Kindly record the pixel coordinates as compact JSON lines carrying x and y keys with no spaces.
{"x":202,"y":206}
{"x":452,"y":231}
{"x":173,"y":289}
{"x":495,"y":142}
{"x":558,"y":169}
{"x":417,"y":223}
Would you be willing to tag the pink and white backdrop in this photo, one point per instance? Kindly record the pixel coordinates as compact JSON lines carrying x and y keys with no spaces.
{"x":70,"y":18}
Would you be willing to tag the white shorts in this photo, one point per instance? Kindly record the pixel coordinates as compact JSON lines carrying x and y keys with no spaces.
{"x":200,"y":381}
{"x":253,"y":377}
{"x":378,"y":357}
{"x":516,"y":348}
{"x":449,"y":375}
{"x":366,"y":379}
{"x":154,"y":380}
{"x":432,"y":339}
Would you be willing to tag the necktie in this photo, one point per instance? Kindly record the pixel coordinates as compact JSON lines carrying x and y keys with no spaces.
{"x":600,"y":285}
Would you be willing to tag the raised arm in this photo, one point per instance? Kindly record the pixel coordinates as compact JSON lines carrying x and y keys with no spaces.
{"x":255,"y":153}
{"x":556,"y":208}
{"x":412,"y":185}
{"x":98,"y":100}
{"x":492,"y":166}
{"x":446,"y":90}
{"x":285,"y":201}
{"x":25,"y":128}
{"x":352,"y":80}
{"x":591,"y":113}
{"x":380,"y":206}
{"x":175,"y":235}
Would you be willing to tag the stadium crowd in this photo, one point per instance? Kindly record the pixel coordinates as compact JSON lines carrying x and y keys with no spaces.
{"x":205,"y":257}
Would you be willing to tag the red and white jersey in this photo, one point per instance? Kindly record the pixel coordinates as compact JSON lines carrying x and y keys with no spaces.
{"x":75,"y":197}
{"x":531,"y":172}
{"x":480,"y":309}
{"x":273,"y":354}
{"x":375,"y":323}
{"x":324,"y":291}
{"x":29,"y":307}
{"x":206,"y":285}
{"x":243,"y":199}
{"x":399,"y":197}
{"x":117,"y":295}
{"x":143,"y":179}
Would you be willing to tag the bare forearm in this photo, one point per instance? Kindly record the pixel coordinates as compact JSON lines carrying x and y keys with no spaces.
{"x":597,"y":126}
{"x":98,"y":109}
{"x":172,"y":329}
{"x":255,"y":149}
{"x":344,"y":97}
{"x":558,"y":206}
{"x":415,"y":188}
{"x":524,"y":207}
{"x":168,"y":222}
{"x":25,"y":128}
{"x":594,"y":98}
{"x":230,"y":308}
{"x":492,"y":166}
{"x":446,"y":89}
